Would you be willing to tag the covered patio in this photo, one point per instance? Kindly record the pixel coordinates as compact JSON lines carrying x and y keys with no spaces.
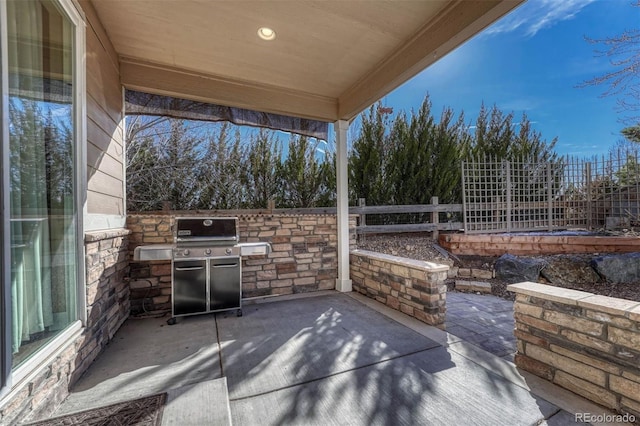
{"x":321,"y":358}
{"x":306,"y":63}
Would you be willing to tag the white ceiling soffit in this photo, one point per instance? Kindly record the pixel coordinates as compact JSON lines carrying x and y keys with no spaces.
{"x":329,"y":60}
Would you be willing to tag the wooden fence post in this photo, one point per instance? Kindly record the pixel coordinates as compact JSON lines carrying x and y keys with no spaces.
{"x":363,"y":217}
{"x":587,"y":172}
{"x":435,"y":217}
{"x":549,"y":196}
{"x":508,"y":195}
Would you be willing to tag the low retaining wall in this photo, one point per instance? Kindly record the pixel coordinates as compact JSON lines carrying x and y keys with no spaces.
{"x":304,"y":256}
{"x":414,"y":287}
{"x":497,"y":245}
{"x":585,"y":343}
{"x":107,"y":304}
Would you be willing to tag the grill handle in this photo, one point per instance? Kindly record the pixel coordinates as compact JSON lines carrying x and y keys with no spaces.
{"x":192,"y":268}
{"x":227,"y":265}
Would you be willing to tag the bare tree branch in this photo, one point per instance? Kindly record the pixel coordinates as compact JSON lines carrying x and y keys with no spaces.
{"x":623,"y":53}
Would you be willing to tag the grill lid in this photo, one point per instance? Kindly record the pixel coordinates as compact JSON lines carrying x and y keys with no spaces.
{"x":206,"y":230}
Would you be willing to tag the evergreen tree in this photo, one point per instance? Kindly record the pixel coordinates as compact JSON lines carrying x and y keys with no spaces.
{"x":180,"y":161}
{"x":163,"y":166}
{"x":629,"y":172}
{"x":632,"y":133}
{"x":144,"y":186}
{"x":402,"y":162}
{"x":303,"y":175}
{"x":328,"y":197}
{"x":419,"y":158}
{"x":451,"y":142}
{"x":498,"y":137}
{"x":221,"y":172}
{"x":41,"y":158}
{"x":494,"y":134}
{"x":367,"y":160}
{"x":528,"y":144}
{"x":261,"y":179}
{"x":425,"y":156}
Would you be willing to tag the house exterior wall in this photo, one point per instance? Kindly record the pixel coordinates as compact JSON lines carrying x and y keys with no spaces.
{"x":105,"y":122}
{"x":304,"y":256}
{"x":585,"y":343}
{"x":104,"y":286}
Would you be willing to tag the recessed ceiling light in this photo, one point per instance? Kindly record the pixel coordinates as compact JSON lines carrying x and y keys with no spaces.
{"x":266,"y":33}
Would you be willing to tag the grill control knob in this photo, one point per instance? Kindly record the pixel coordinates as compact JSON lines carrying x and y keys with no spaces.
{"x":228,"y":251}
{"x":186,"y":252}
{"x":207,"y":252}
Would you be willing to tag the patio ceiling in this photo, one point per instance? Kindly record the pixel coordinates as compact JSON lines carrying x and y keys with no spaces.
{"x":329,"y":61}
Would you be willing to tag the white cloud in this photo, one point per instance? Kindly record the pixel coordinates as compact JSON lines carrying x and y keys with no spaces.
{"x":536,"y":15}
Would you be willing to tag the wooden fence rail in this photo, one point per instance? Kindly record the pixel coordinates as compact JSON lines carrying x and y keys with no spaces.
{"x":434,"y":225}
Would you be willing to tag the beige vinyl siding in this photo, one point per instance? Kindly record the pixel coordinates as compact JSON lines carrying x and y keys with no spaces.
{"x":105,"y":122}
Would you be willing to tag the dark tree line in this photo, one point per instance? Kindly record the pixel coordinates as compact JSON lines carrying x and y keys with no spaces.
{"x":41,"y":159}
{"x":403,"y":160}
{"x":185,"y":165}
{"x":415,"y":157}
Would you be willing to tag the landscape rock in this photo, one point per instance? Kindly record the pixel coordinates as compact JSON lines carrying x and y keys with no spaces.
{"x":569,"y":270}
{"x":620,"y":268}
{"x":513,"y":269}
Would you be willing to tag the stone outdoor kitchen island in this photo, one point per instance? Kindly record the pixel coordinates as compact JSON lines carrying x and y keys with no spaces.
{"x":303,"y":257}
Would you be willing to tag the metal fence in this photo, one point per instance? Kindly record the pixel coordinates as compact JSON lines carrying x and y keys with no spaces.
{"x":567,"y":193}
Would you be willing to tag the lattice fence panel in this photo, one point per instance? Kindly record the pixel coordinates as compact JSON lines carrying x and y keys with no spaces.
{"x":567,"y":193}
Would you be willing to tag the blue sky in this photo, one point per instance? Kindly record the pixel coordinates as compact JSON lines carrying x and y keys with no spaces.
{"x":531,"y":61}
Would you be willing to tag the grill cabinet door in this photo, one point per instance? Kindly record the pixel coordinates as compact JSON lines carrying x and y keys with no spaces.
{"x":225,"y":289}
{"x":189,"y":286}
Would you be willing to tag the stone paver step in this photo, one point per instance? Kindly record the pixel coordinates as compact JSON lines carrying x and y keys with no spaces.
{"x":480,"y":286}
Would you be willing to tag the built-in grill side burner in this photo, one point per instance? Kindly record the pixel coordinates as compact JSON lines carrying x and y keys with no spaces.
{"x":206,"y":266}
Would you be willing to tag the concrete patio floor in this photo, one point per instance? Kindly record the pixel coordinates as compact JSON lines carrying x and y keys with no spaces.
{"x":321,"y":358}
{"x":483,"y":320}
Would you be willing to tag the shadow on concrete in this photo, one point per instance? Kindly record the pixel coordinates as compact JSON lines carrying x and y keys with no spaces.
{"x":331,"y":360}
{"x":323,"y":359}
{"x":146,"y":357}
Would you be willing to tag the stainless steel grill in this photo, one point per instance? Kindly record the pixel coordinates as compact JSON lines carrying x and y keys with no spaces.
{"x":206,"y":266}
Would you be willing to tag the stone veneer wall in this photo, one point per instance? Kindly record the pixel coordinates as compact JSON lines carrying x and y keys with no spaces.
{"x":414,"y":287}
{"x":585,"y":343}
{"x":107,"y":307}
{"x":107,"y":270}
{"x":304,"y":256}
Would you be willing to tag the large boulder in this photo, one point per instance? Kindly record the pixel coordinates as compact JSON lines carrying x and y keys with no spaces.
{"x":619,"y":268}
{"x":569,"y":270}
{"x":513,"y":269}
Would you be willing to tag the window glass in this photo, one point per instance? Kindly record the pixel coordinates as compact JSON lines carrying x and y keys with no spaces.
{"x":42,"y":174}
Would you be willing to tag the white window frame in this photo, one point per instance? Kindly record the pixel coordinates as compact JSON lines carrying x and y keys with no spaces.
{"x":5,"y":250}
{"x":13,"y":380}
